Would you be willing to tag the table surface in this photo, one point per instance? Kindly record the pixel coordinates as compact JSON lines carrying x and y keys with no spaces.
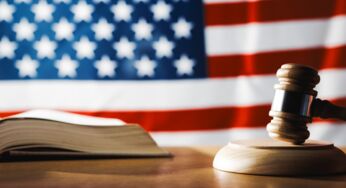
{"x":190,"y":167}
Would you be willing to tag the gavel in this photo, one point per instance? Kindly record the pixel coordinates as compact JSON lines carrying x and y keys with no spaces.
{"x":295,"y":104}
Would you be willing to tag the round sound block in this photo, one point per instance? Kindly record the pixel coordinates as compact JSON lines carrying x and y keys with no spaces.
{"x":270,"y":157}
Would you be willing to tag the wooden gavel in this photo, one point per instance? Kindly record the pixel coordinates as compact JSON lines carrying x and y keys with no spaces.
{"x":295,"y":104}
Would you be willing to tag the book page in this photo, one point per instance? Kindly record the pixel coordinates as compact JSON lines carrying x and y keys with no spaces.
{"x":68,"y":118}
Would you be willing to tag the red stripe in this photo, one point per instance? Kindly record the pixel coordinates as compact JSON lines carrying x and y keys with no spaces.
{"x":269,"y":62}
{"x":197,"y":119}
{"x":271,"y":10}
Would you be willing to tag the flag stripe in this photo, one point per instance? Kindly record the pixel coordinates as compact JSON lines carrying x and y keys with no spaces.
{"x":318,"y":131}
{"x":267,"y":37}
{"x":269,"y":62}
{"x":160,"y":95}
{"x":153,"y":95}
{"x":180,"y":120}
{"x":271,"y":10}
{"x":134,"y":95}
{"x":188,"y":120}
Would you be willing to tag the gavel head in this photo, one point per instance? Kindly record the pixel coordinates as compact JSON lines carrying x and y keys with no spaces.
{"x":291,"y":108}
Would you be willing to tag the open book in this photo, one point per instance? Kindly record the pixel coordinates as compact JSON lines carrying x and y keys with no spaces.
{"x":48,"y":132}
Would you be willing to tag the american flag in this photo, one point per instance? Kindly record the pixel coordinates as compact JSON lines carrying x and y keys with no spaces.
{"x":191,"y":72}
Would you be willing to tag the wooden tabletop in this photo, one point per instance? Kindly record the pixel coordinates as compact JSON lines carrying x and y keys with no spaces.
{"x":190,"y":167}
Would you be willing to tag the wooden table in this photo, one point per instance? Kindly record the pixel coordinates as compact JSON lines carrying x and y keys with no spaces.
{"x":191,"y":167}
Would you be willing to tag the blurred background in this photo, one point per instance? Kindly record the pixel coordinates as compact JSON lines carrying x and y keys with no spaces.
{"x":191,"y":72}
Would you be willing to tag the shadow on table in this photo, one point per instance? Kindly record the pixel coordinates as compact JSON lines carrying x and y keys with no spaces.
{"x":181,"y":160}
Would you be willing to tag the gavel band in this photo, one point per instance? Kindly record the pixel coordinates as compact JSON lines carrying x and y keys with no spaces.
{"x":292,"y":102}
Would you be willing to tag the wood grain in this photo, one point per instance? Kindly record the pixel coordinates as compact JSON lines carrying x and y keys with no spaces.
{"x":270,"y":157}
{"x":191,"y":167}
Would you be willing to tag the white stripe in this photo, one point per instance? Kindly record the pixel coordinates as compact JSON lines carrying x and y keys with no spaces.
{"x":285,"y":35}
{"x":152,"y":95}
{"x":319,"y":131}
{"x":332,"y":85}
{"x":146,"y":95}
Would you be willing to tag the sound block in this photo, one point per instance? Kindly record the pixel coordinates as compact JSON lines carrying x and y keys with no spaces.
{"x":270,"y":157}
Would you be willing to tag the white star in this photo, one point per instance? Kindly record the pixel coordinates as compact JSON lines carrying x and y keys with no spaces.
{"x":84,"y":48}
{"x":124,"y":48}
{"x":142,"y":29}
{"x":82,"y":11}
{"x":45,"y":48}
{"x":182,"y":28}
{"x":22,"y":1}
{"x":103,"y":30}
{"x":43,"y":11}
{"x":184,"y":65}
{"x":66,"y":67}
{"x":101,"y":1}
{"x":105,"y":67}
{"x":7,"y":48}
{"x":143,"y":1}
{"x":24,"y":30}
{"x":6,"y":11}
{"x":161,"y":11}
{"x":163,"y":47}
{"x":62,"y":1}
{"x":122,"y":11}
{"x":27,"y":67}
{"x":63,"y":29}
{"x":145,"y":67}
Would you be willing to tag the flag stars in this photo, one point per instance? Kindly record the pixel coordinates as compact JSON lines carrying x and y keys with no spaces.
{"x":66,"y":67}
{"x":62,"y":32}
{"x":62,"y":1}
{"x":43,"y":11}
{"x":122,"y":11}
{"x":63,"y":29}
{"x":82,"y":11}
{"x":24,"y":30}
{"x":103,"y":29}
{"x":124,"y":48}
{"x":45,"y":48}
{"x":184,"y":65}
{"x":84,"y":48}
{"x":145,"y":67}
{"x":101,"y":1}
{"x":105,"y":67}
{"x":182,"y":28}
{"x":161,"y":11}
{"x":7,"y":48}
{"x":163,"y":47}
{"x":27,"y":67}
{"x":142,"y":29}
{"x":6,"y":11}
{"x":141,"y":1}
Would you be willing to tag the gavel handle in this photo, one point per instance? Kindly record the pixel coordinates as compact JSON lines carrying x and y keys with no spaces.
{"x":325,"y":109}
